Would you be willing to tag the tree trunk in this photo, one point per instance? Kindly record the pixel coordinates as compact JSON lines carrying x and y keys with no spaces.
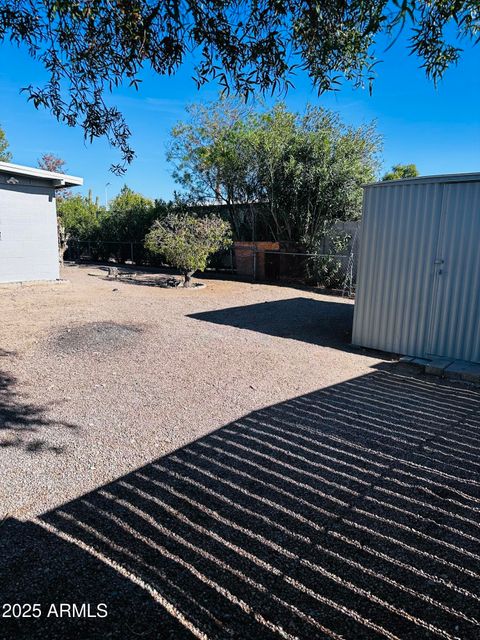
{"x":62,"y":251}
{"x":63,"y":238}
{"x":188,"y":278}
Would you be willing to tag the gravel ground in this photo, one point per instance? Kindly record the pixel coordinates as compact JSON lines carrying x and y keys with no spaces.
{"x":101,"y":376}
{"x":219,"y":463}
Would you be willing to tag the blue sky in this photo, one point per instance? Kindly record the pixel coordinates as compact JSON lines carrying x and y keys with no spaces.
{"x":437,"y":129}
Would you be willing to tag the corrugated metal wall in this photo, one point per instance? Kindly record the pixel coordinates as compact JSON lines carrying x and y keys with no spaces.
{"x":455,"y":322}
{"x":28,"y":228}
{"x":419,"y":273}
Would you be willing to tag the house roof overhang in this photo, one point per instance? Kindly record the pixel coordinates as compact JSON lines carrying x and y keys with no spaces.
{"x":55,"y":180}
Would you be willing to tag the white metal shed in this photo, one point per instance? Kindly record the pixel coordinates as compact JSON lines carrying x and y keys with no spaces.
{"x":28,"y":222}
{"x":418,"y":288}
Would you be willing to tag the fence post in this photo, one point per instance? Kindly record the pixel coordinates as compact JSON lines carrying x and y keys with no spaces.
{"x":131,"y":252}
{"x":254,"y":262}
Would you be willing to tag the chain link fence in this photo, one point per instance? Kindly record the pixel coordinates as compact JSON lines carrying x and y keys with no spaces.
{"x":328,"y":271}
{"x":118,"y":252}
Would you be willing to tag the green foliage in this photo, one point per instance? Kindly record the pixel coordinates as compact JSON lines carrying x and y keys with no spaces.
{"x":79,"y":217}
{"x":129,"y":217}
{"x":213,"y":157}
{"x":186,"y":242}
{"x":303,"y":171}
{"x":5,"y":155}
{"x":329,"y":270}
{"x":88,"y":49}
{"x":401,"y":171}
{"x":128,"y":220}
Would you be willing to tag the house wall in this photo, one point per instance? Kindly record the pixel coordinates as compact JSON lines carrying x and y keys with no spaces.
{"x":28,"y":228}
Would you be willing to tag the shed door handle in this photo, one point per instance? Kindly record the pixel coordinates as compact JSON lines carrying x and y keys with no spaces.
{"x":439,"y":261}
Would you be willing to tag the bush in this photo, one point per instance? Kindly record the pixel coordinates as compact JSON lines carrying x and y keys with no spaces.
{"x":79,"y":216}
{"x":329,"y":271}
{"x":186,"y":242}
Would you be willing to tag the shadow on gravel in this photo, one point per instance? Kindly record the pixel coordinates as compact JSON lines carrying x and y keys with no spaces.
{"x":146,"y":279}
{"x":23,"y":424}
{"x":50,"y":570}
{"x":313,"y":321}
{"x":99,"y":337}
{"x":132,"y":276}
{"x":350,"y":512}
{"x":164,"y":282}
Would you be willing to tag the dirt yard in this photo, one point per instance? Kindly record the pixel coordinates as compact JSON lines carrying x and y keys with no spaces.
{"x":101,"y":376}
{"x":221,"y":463}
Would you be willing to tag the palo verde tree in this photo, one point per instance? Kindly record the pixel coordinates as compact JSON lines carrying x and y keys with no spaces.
{"x":186,"y":241}
{"x":89,"y":48}
{"x":5,"y":155}
{"x":402,"y":171}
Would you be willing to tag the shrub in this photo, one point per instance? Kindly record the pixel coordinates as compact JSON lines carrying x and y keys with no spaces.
{"x":329,"y":270}
{"x":79,"y":216}
{"x":186,"y":242}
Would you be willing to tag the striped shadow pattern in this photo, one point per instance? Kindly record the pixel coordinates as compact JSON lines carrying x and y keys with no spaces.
{"x":351,"y":512}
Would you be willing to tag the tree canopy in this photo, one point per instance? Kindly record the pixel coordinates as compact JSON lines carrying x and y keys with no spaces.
{"x":51,"y":162}
{"x":295,"y":173}
{"x":89,"y":48}
{"x":5,"y":155}
{"x":401,"y":171}
{"x":128,"y":219}
{"x":130,"y":215}
{"x":79,"y":217}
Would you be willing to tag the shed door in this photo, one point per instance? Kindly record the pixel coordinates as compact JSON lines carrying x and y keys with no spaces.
{"x":455,"y":312}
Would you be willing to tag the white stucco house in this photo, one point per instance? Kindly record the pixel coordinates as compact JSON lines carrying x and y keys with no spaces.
{"x":28,"y":222}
